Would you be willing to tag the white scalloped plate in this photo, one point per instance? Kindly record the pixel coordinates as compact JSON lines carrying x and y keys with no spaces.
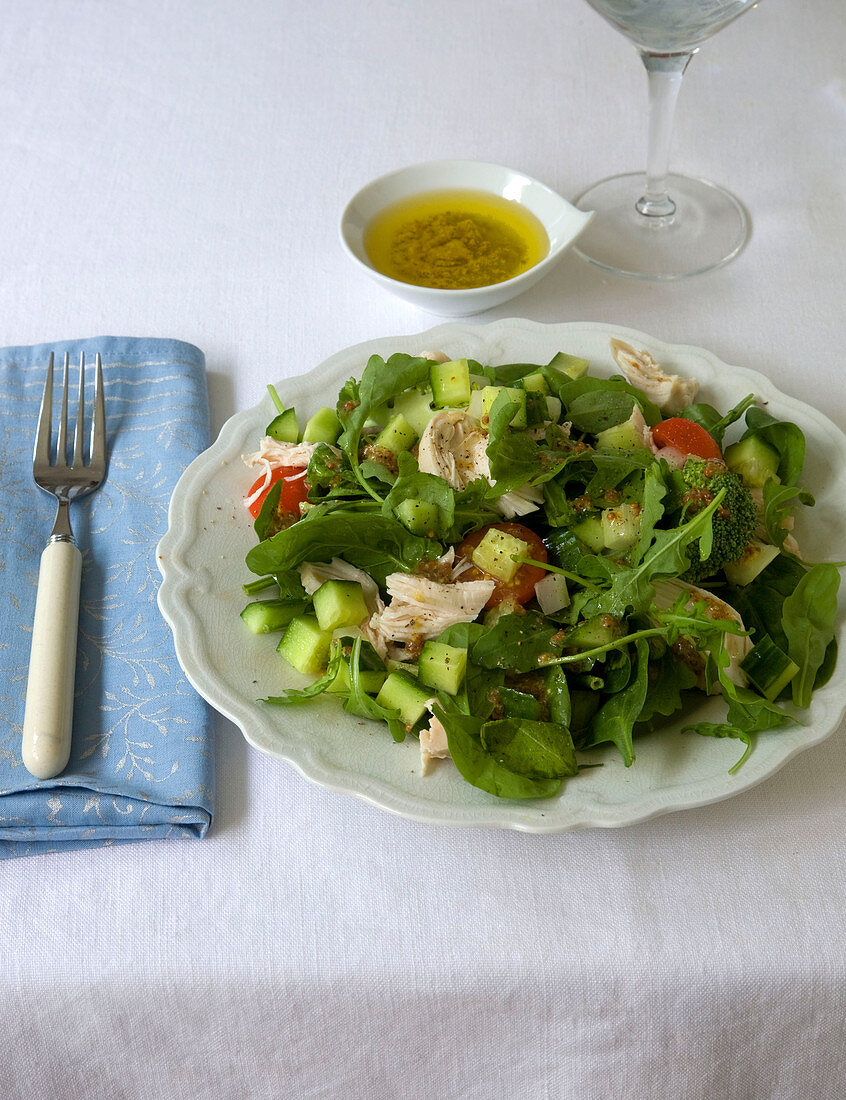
{"x":201,"y":558}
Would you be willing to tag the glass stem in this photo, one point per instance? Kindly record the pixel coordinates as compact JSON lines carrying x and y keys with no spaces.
{"x":665,"y":72}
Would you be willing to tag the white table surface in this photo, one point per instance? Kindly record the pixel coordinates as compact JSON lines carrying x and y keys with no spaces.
{"x":178,"y":169}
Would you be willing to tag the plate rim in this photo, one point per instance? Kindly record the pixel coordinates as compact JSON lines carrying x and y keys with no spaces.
{"x":177,"y":580}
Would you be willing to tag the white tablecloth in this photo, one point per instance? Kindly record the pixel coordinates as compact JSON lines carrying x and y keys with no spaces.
{"x":178,"y":169}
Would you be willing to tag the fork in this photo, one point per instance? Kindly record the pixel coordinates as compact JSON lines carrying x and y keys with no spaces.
{"x":48,"y":718}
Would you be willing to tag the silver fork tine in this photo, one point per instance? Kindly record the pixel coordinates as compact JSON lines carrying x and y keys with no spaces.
{"x":61,"y":446}
{"x":98,"y":422}
{"x":80,"y":416}
{"x":45,"y":416}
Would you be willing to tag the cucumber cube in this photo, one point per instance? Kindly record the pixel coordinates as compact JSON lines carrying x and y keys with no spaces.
{"x":755,"y":461}
{"x":535,"y":383}
{"x":495,"y":554}
{"x":769,"y":668}
{"x":369,"y":679}
{"x":416,"y":407}
{"x":450,"y":383}
{"x":305,"y":646}
{"x":397,"y":435}
{"x":442,"y":667}
{"x":323,"y":427}
{"x":491,"y":393}
{"x":621,"y":526}
{"x":283,"y":428}
{"x":570,"y":365}
{"x":339,"y":603}
{"x":401,"y":693}
{"x":590,"y":531}
{"x":420,"y":517}
{"x":620,"y":437}
{"x":268,"y":616}
{"x":754,"y":560}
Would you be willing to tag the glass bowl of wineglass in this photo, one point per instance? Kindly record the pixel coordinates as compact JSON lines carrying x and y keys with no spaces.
{"x":665,"y":226}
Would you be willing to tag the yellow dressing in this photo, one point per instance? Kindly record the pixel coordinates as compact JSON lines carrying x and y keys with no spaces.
{"x":455,"y":239}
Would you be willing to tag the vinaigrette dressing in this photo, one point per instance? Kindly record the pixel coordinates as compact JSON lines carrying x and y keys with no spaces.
{"x":455,"y":239}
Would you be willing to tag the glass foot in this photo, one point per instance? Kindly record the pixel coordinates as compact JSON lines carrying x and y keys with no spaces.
{"x":709,"y":228}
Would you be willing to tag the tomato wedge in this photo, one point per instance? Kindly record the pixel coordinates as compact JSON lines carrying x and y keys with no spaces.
{"x":522,"y":586}
{"x":686,"y":436}
{"x":293,"y":492}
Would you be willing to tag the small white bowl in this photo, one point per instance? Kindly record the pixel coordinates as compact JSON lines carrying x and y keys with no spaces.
{"x":562,"y":222}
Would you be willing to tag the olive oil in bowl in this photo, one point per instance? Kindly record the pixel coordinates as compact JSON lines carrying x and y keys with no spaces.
{"x":455,"y":239}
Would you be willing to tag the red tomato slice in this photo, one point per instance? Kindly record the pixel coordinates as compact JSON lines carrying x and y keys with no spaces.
{"x":686,"y":436}
{"x":293,"y":492}
{"x":522,"y":587}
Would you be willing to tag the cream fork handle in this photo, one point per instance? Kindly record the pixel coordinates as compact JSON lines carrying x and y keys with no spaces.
{"x":48,"y":718}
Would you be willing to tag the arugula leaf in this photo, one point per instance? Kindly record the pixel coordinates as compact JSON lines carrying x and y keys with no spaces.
{"x":668,"y":678}
{"x":538,"y":750}
{"x":268,"y":515}
{"x":558,"y":696}
{"x":712,"y":421}
{"x":377,"y":544}
{"x":517,"y":643}
{"x":589,"y":395}
{"x":306,"y":694}
{"x":652,"y":509}
{"x":380,"y":381}
{"x":479,"y":767}
{"x":360,"y":703}
{"x":808,"y":617}
{"x":787,"y":438}
{"x":778,"y":504}
{"x":616,"y":718}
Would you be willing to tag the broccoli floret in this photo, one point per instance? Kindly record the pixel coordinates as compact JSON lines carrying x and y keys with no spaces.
{"x":733,"y":523}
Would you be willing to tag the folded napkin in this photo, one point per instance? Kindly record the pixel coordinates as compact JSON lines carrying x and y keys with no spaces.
{"x":142,"y":761}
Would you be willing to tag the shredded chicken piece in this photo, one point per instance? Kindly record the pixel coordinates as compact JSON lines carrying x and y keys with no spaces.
{"x":643,"y":429}
{"x":313,"y":574}
{"x":737,"y":645}
{"x":273,"y":453}
{"x":669,"y":392}
{"x":519,"y":502}
{"x":422,"y":608}
{"x":435,"y":356}
{"x":433,"y":744}
{"x":454,"y":447}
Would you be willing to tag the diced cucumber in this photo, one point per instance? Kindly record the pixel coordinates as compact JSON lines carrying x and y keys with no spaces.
{"x":495,"y":554}
{"x":339,"y":603}
{"x":474,"y":408}
{"x":491,"y":393}
{"x":284,"y":428}
{"x":442,"y":667}
{"x":370,"y":680}
{"x":590,"y":633}
{"x":553,"y":408}
{"x":535,"y":383}
{"x":268,"y":616}
{"x":450,"y":383}
{"x":420,"y":517}
{"x":570,"y":365}
{"x":621,"y":526}
{"x":323,"y":427}
{"x":591,"y":532}
{"x":397,"y":435}
{"x":621,"y":437}
{"x":305,"y":646}
{"x":401,"y":693}
{"x":768,"y":668}
{"x":416,"y":407}
{"x":755,"y":461}
{"x":754,"y":560}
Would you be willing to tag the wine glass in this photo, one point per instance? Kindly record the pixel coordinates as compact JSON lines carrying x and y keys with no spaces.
{"x":668,"y":226}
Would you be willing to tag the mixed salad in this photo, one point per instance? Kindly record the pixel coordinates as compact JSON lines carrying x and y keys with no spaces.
{"x":517,"y":563}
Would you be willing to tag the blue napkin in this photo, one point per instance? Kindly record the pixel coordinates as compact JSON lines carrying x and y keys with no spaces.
{"x":142,"y":762}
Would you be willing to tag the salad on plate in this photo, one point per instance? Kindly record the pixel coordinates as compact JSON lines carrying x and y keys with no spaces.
{"x":515,"y":564}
